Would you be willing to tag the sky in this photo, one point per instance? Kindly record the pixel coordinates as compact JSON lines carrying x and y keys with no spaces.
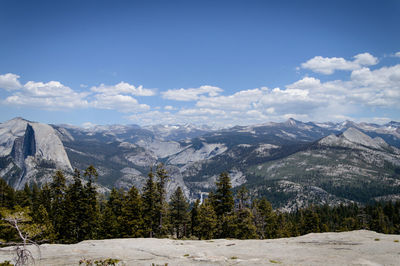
{"x":218,"y":63}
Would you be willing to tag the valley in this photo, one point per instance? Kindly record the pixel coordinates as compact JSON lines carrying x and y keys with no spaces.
{"x":292,"y":163}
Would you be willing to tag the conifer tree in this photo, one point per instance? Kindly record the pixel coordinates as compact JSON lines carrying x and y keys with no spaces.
{"x":75,"y":209}
{"x":179,"y":213}
{"x":131,"y":219}
{"x":243,"y":225}
{"x":222,"y":199}
{"x":45,"y":198}
{"x":90,"y":222}
{"x":194,"y":217}
{"x":111,"y":215}
{"x":243,"y":197}
{"x":161,"y":204}
{"x":7,"y":195}
{"x":23,"y":197}
{"x":223,"y":203}
{"x":264,"y":218}
{"x":207,"y":226}
{"x":35,"y":197}
{"x":57,"y":208}
{"x":149,"y":205}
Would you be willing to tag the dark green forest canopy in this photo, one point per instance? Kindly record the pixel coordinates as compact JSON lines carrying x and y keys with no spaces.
{"x":69,"y":213}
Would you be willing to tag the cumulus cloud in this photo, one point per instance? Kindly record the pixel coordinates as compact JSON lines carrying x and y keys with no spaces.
{"x":306,"y":99}
{"x":50,"y":95}
{"x":9,"y":82}
{"x":54,"y":95}
{"x":191,"y":94}
{"x":123,"y":103}
{"x":241,"y":100}
{"x":397,"y":54}
{"x":328,"y":65}
{"x":123,"y":88}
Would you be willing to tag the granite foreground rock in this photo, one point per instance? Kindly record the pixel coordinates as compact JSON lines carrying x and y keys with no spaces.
{"x":347,"y":248}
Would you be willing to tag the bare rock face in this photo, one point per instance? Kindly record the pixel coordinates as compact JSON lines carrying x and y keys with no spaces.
{"x":347,"y":248}
{"x":28,"y":145}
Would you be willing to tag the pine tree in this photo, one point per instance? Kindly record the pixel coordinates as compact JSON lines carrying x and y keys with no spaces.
{"x":179,"y":213}
{"x":7,"y":195}
{"x":207,"y":218}
{"x":223,"y":203}
{"x":243,"y":197}
{"x":222,"y":199}
{"x":264,"y":218}
{"x":131,"y":219}
{"x":90,"y":222}
{"x":57,"y":208}
{"x":149,"y":206}
{"x":161,"y":205}
{"x":243,"y":225}
{"x":110,"y":226}
{"x":194,"y":217}
{"x":75,"y":208}
{"x":35,"y":198}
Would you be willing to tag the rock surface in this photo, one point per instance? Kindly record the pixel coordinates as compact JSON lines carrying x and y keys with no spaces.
{"x":347,"y":248}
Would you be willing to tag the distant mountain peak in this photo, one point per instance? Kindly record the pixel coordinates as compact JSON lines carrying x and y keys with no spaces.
{"x":353,"y":137}
{"x":292,"y":122}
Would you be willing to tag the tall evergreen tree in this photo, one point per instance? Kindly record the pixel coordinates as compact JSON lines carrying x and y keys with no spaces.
{"x":223,"y":203}
{"x":194,"y":217}
{"x":264,"y":218}
{"x":57,"y":208}
{"x":222,"y":199}
{"x":75,"y":209}
{"x":161,"y":204}
{"x":244,"y":227}
{"x":110,"y":226}
{"x":179,"y":213}
{"x":131,"y":219}
{"x":207,"y":218}
{"x":91,"y":220}
{"x":243,"y":197}
{"x":7,"y":195}
{"x":149,"y":205}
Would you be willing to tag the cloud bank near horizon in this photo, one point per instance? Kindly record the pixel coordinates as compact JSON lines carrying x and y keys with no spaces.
{"x":364,"y":93}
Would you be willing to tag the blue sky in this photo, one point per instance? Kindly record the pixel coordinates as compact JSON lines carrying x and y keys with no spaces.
{"x":205,"y":62}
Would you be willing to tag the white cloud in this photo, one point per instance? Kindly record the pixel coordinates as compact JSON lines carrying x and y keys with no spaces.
{"x":328,"y":65}
{"x":191,"y":94}
{"x":241,"y":100}
{"x":123,"y":103}
{"x":202,"y":111}
{"x":169,"y":108}
{"x":397,"y":54}
{"x":88,"y":125}
{"x":123,"y":88}
{"x":50,"y":95}
{"x":306,"y":99}
{"x":53,"y":95}
{"x":9,"y":82}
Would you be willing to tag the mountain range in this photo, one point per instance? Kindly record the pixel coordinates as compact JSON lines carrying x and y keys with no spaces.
{"x":292,"y":163}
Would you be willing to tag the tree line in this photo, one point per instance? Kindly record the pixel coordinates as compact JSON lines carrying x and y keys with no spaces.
{"x":68,"y":213}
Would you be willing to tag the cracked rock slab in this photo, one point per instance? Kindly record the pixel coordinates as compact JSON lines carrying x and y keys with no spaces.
{"x":347,"y":248}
